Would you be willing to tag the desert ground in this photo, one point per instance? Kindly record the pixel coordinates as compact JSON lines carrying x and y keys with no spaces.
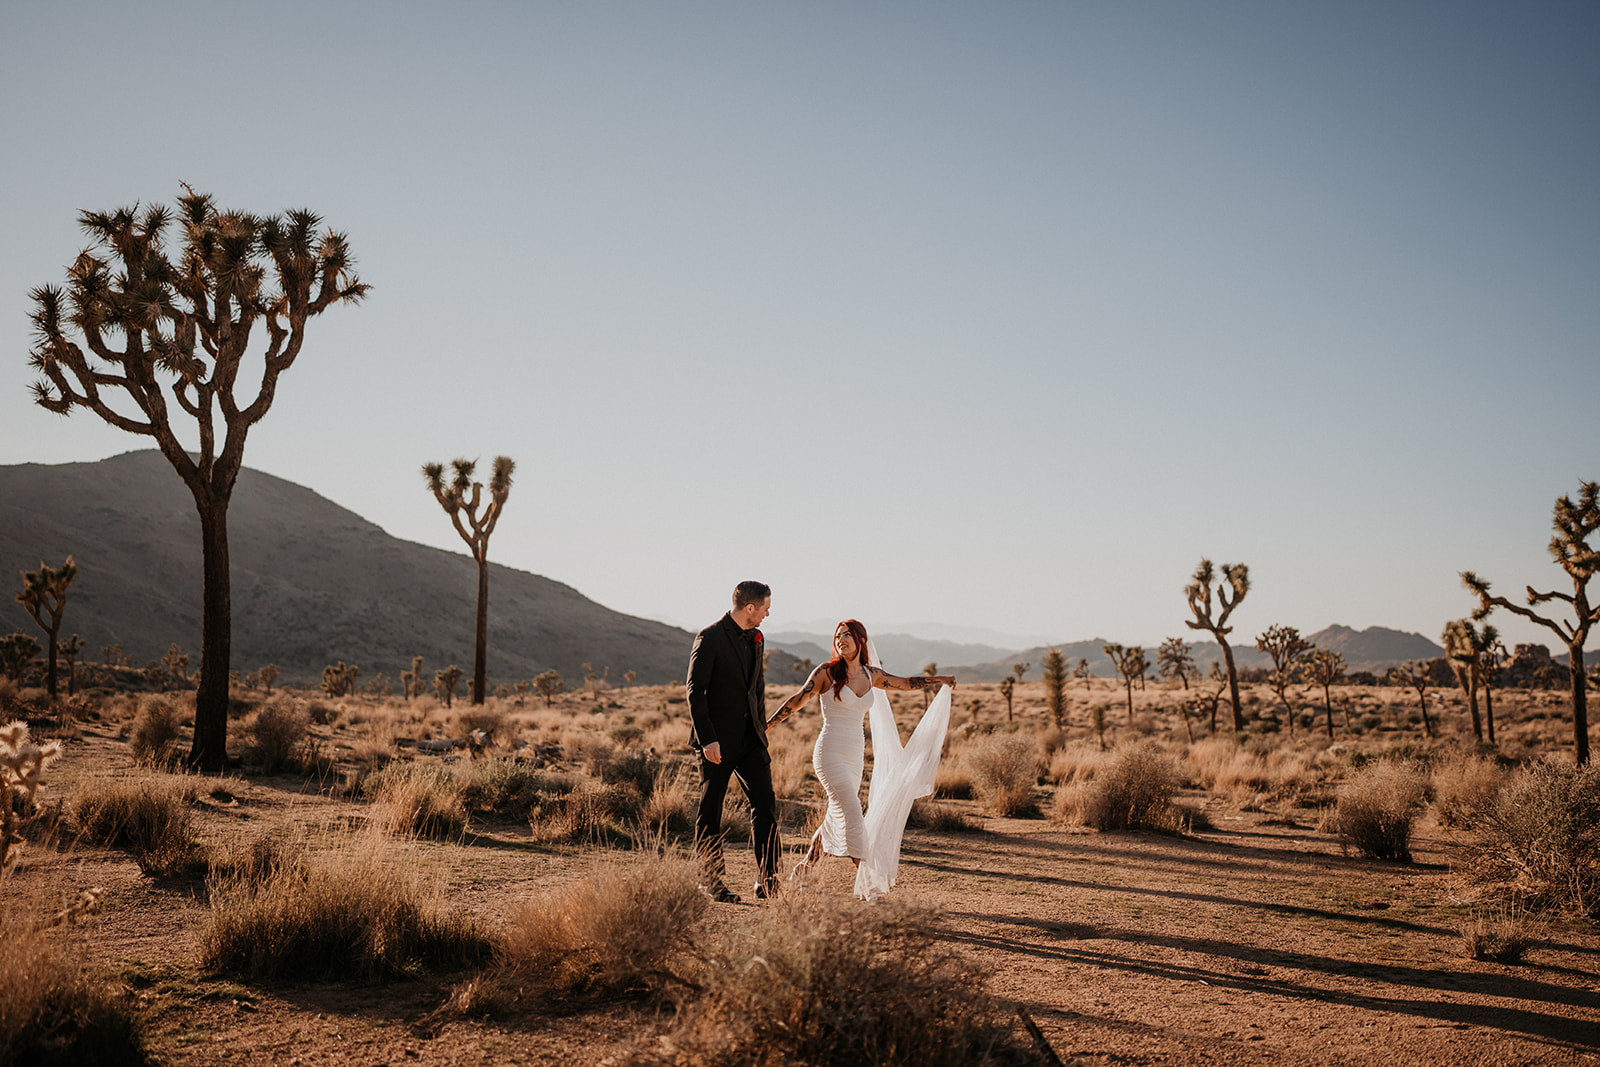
{"x":1245,"y":929}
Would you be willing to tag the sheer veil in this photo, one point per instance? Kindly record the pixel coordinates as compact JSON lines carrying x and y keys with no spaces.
{"x":900,"y":774}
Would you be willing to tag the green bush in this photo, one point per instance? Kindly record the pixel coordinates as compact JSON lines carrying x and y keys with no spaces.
{"x":1540,"y":842}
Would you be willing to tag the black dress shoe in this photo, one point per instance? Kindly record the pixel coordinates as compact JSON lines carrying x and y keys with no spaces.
{"x":766,"y":890}
{"x":721,"y":894}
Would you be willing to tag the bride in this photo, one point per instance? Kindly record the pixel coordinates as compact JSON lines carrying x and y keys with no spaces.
{"x":851,"y":686}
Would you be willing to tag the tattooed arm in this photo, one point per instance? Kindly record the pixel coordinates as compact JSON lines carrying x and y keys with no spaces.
{"x":813,"y":687}
{"x":885,"y":680}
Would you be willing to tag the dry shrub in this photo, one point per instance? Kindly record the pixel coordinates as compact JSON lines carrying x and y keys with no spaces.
{"x":1464,"y":789}
{"x":823,"y":981}
{"x":954,"y":781}
{"x":638,"y":769}
{"x":670,"y":808}
{"x":1077,"y":762}
{"x":1540,"y":843}
{"x":155,"y":731}
{"x":486,"y":717}
{"x":513,"y":790}
{"x":1132,"y":792}
{"x":592,"y":816}
{"x":941,"y":818}
{"x":630,"y":926}
{"x":54,"y":1009}
{"x":416,"y":798}
{"x":1501,"y":938}
{"x":279,"y":728}
{"x":149,"y":817}
{"x":360,"y":911}
{"x":1004,"y":768}
{"x":1377,"y":808}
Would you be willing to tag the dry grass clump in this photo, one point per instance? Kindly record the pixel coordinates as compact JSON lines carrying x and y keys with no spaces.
{"x":155,"y":731}
{"x":152,"y":818}
{"x":1540,"y":842}
{"x":1465,"y":788}
{"x":820,"y":981}
{"x":415,"y":798}
{"x":1502,"y":938}
{"x":1377,"y":808}
{"x":941,"y":818}
{"x":629,"y":927}
{"x":513,"y":790}
{"x":360,"y":911}
{"x":279,"y":728}
{"x":55,"y":1010}
{"x":589,"y":815}
{"x":954,"y":781}
{"x":1133,"y":791}
{"x":1004,"y":768}
{"x":670,"y":807}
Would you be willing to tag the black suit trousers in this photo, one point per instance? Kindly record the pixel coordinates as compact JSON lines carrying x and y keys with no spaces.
{"x":753,"y":767}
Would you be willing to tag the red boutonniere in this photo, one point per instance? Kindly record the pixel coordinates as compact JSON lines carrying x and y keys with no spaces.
{"x":758,"y":638}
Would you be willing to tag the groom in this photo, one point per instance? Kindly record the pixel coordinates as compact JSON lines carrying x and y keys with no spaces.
{"x":727,"y":702}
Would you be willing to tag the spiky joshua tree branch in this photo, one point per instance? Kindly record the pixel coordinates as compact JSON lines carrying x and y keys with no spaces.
{"x":148,"y":342}
{"x":461,"y":499}
{"x":1575,"y":522}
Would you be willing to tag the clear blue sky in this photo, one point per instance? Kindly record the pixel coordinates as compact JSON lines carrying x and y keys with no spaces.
{"x":995,"y":314}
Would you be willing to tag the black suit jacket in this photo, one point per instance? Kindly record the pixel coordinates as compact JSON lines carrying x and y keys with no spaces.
{"x":727,"y":702}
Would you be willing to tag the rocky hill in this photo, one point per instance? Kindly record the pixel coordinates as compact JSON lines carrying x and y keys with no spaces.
{"x":312,"y":582}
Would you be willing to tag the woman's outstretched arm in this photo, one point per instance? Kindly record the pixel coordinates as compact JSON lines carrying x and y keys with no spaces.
{"x":884,"y":680}
{"x":812,"y":688}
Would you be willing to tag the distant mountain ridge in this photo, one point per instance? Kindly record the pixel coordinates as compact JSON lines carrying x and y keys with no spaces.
{"x":313,"y":583}
{"x":1374,"y":649}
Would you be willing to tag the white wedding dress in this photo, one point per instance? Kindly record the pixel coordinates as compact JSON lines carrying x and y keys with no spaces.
{"x":900,"y":774}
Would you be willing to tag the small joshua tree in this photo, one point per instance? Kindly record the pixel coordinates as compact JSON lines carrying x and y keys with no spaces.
{"x":1416,"y":674}
{"x":176,"y":664}
{"x":628,"y":678}
{"x":71,"y":649}
{"x":1131,"y":664}
{"x":1008,"y":688}
{"x":445,"y":682}
{"x":1235,"y":578}
{"x":1575,"y":523}
{"x":44,"y":595}
{"x":17,"y":650}
{"x":339,"y":679}
{"x":1021,"y":668}
{"x":548,"y":683}
{"x":1174,"y":661}
{"x":1055,"y":685}
{"x":411,"y":683}
{"x":1491,"y":661}
{"x":1287,"y":648}
{"x":164,"y":340}
{"x":1323,"y":667}
{"x":268,"y":675}
{"x":461,"y":500}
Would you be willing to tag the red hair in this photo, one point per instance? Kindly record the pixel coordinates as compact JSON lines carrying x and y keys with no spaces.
{"x":837,"y":669}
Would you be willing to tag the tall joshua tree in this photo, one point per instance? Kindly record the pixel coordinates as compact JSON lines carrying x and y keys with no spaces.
{"x":1574,"y":524}
{"x":149,"y":341}
{"x":461,"y":500}
{"x":1461,"y":651}
{"x":44,"y":595}
{"x":1235,"y":578}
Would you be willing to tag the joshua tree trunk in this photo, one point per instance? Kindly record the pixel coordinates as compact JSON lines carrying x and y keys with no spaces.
{"x":1580,"y":702}
{"x":1233,"y":686}
{"x":1327,"y":703}
{"x":208,"y":752}
{"x":480,"y":656}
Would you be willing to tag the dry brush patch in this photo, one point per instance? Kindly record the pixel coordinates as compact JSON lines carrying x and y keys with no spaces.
{"x":1539,"y":843}
{"x":820,"y":981}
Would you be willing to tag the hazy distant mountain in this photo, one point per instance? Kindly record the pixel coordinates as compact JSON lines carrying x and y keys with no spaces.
{"x":901,"y":653}
{"x":1374,"y":649}
{"x":312,"y":582}
{"x":926,"y":631}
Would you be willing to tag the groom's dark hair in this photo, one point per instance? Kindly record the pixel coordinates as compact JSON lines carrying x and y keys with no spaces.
{"x":750,"y":593}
